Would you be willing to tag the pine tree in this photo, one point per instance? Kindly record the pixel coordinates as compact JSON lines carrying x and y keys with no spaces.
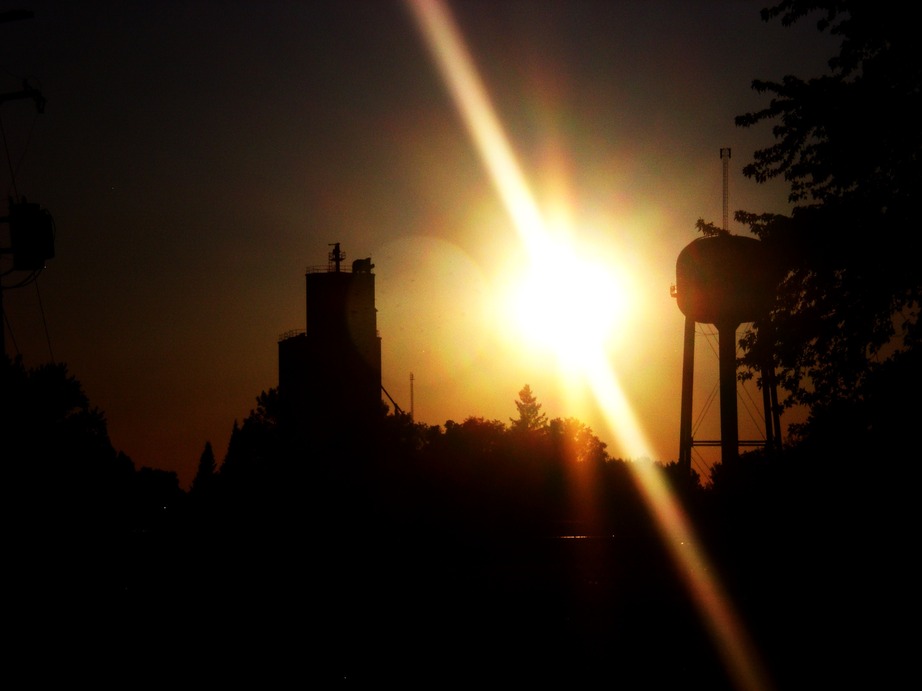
{"x":530,"y":416}
{"x":206,"y":469}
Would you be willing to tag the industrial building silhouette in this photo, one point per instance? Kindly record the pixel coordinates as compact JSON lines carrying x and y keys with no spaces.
{"x":330,"y":373}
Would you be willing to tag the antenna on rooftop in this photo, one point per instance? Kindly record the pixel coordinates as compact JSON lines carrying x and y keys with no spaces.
{"x":336,"y":256}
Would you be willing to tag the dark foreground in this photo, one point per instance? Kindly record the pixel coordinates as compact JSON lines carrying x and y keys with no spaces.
{"x":261,"y":609}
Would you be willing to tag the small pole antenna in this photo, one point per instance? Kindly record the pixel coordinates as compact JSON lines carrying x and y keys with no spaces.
{"x":336,"y":256}
{"x":412,"y":419}
{"x":725,"y":157}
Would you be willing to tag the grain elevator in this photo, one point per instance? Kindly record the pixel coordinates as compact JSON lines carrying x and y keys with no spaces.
{"x":330,"y":372}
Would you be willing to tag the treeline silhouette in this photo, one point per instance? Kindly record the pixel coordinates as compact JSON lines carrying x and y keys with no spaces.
{"x":428,"y":554}
{"x":518,"y":552}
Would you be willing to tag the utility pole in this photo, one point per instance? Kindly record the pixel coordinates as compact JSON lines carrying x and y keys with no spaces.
{"x":31,"y":227}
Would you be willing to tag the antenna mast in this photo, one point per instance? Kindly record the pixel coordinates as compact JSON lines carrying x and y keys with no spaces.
{"x":412,"y":418}
{"x":336,"y":257}
{"x":725,"y":157}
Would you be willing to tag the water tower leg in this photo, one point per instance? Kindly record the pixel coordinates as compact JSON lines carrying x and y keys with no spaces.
{"x":767,"y":407}
{"x":770,"y":392}
{"x":776,"y":409}
{"x":729,"y":429}
{"x":688,"y":375}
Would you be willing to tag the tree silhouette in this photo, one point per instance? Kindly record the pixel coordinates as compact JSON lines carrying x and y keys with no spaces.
{"x":576,"y":442}
{"x":844,"y":334}
{"x":849,"y":145}
{"x":207,"y":468}
{"x":530,"y":416}
{"x":80,"y":520}
{"x":62,"y":468}
{"x":254,"y":449}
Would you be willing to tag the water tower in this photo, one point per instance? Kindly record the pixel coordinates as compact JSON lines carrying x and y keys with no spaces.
{"x":724,"y":280}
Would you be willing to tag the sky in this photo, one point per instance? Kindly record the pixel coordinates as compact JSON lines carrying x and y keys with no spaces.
{"x":197,"y":157}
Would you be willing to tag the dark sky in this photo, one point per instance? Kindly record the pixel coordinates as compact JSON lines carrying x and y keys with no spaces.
{"x":197,"y":156}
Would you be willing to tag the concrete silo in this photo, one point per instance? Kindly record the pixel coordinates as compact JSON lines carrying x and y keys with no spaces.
{"x":330,"y":373}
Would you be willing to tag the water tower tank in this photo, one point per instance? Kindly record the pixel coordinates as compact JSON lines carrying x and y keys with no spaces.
{"x":724,"y":279}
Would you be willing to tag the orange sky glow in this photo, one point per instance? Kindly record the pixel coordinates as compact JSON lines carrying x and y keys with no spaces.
{"x":572,"y":330}
{"x":196,"y":160}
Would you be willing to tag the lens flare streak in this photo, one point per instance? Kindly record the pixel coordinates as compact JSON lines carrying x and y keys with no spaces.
{"x":473,"y":103}
{"x":707,"y":594}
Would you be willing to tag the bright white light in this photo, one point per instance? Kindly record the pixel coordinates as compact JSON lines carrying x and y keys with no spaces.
{"x":567,"y":303}
{"x":571,"y":315}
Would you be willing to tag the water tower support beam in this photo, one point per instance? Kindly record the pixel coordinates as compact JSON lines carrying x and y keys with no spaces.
{"x":688,"y":376}
{"x":767,"y":408}
{"x":776,"y":410}
{"x":729,"y":431}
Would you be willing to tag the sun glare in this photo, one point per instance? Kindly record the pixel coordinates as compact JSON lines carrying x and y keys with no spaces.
{"x":566,"y":302}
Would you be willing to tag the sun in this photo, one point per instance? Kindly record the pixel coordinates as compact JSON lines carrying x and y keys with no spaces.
{"x":568,"y":302}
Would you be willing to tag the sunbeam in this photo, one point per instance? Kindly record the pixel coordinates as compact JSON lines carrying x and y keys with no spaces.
{"x":473,"y":103}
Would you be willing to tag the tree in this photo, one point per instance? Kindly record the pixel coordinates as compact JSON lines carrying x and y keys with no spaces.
{"x":530,"y":416}
{"x":476,"y":437}
{"x":207,"y":468}
{"x":258,"y":467}
{"x":576,"y":442}
{"x":61,"y":468}
{"x":76,"y":513}
{"x":848,"y":144}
